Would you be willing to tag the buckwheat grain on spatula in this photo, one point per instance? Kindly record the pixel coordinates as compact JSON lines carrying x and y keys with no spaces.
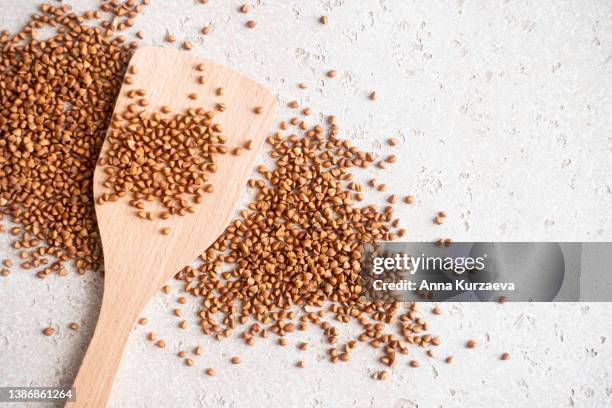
{"x":158,"y":162}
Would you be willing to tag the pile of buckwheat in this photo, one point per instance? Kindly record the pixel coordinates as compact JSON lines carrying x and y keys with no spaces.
{"x":169,"y":159}
{"x":56,"y":99}
{"x":294,"y":254}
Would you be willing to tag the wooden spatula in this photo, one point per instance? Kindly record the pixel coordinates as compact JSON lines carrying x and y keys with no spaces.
{"x":138,"y":259}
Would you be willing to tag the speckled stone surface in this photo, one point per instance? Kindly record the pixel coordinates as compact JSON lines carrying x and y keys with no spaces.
{"x":503,"y":112}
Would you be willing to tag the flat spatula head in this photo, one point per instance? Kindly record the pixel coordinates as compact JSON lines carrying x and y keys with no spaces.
{"x":134,"y":247}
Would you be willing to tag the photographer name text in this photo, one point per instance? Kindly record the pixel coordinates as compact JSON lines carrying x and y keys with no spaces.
{"x":458,"y":285}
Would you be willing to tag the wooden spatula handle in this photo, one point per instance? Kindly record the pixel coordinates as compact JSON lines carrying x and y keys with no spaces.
{"x":94,"y":381}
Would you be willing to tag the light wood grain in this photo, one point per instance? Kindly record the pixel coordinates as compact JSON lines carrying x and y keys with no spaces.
{"x":138,"y":259}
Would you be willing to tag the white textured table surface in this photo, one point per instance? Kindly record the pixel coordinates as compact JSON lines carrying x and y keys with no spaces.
{"x":504,"y":112}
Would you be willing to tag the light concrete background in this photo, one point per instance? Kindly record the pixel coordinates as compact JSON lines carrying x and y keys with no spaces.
{"x":503,"y":109}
